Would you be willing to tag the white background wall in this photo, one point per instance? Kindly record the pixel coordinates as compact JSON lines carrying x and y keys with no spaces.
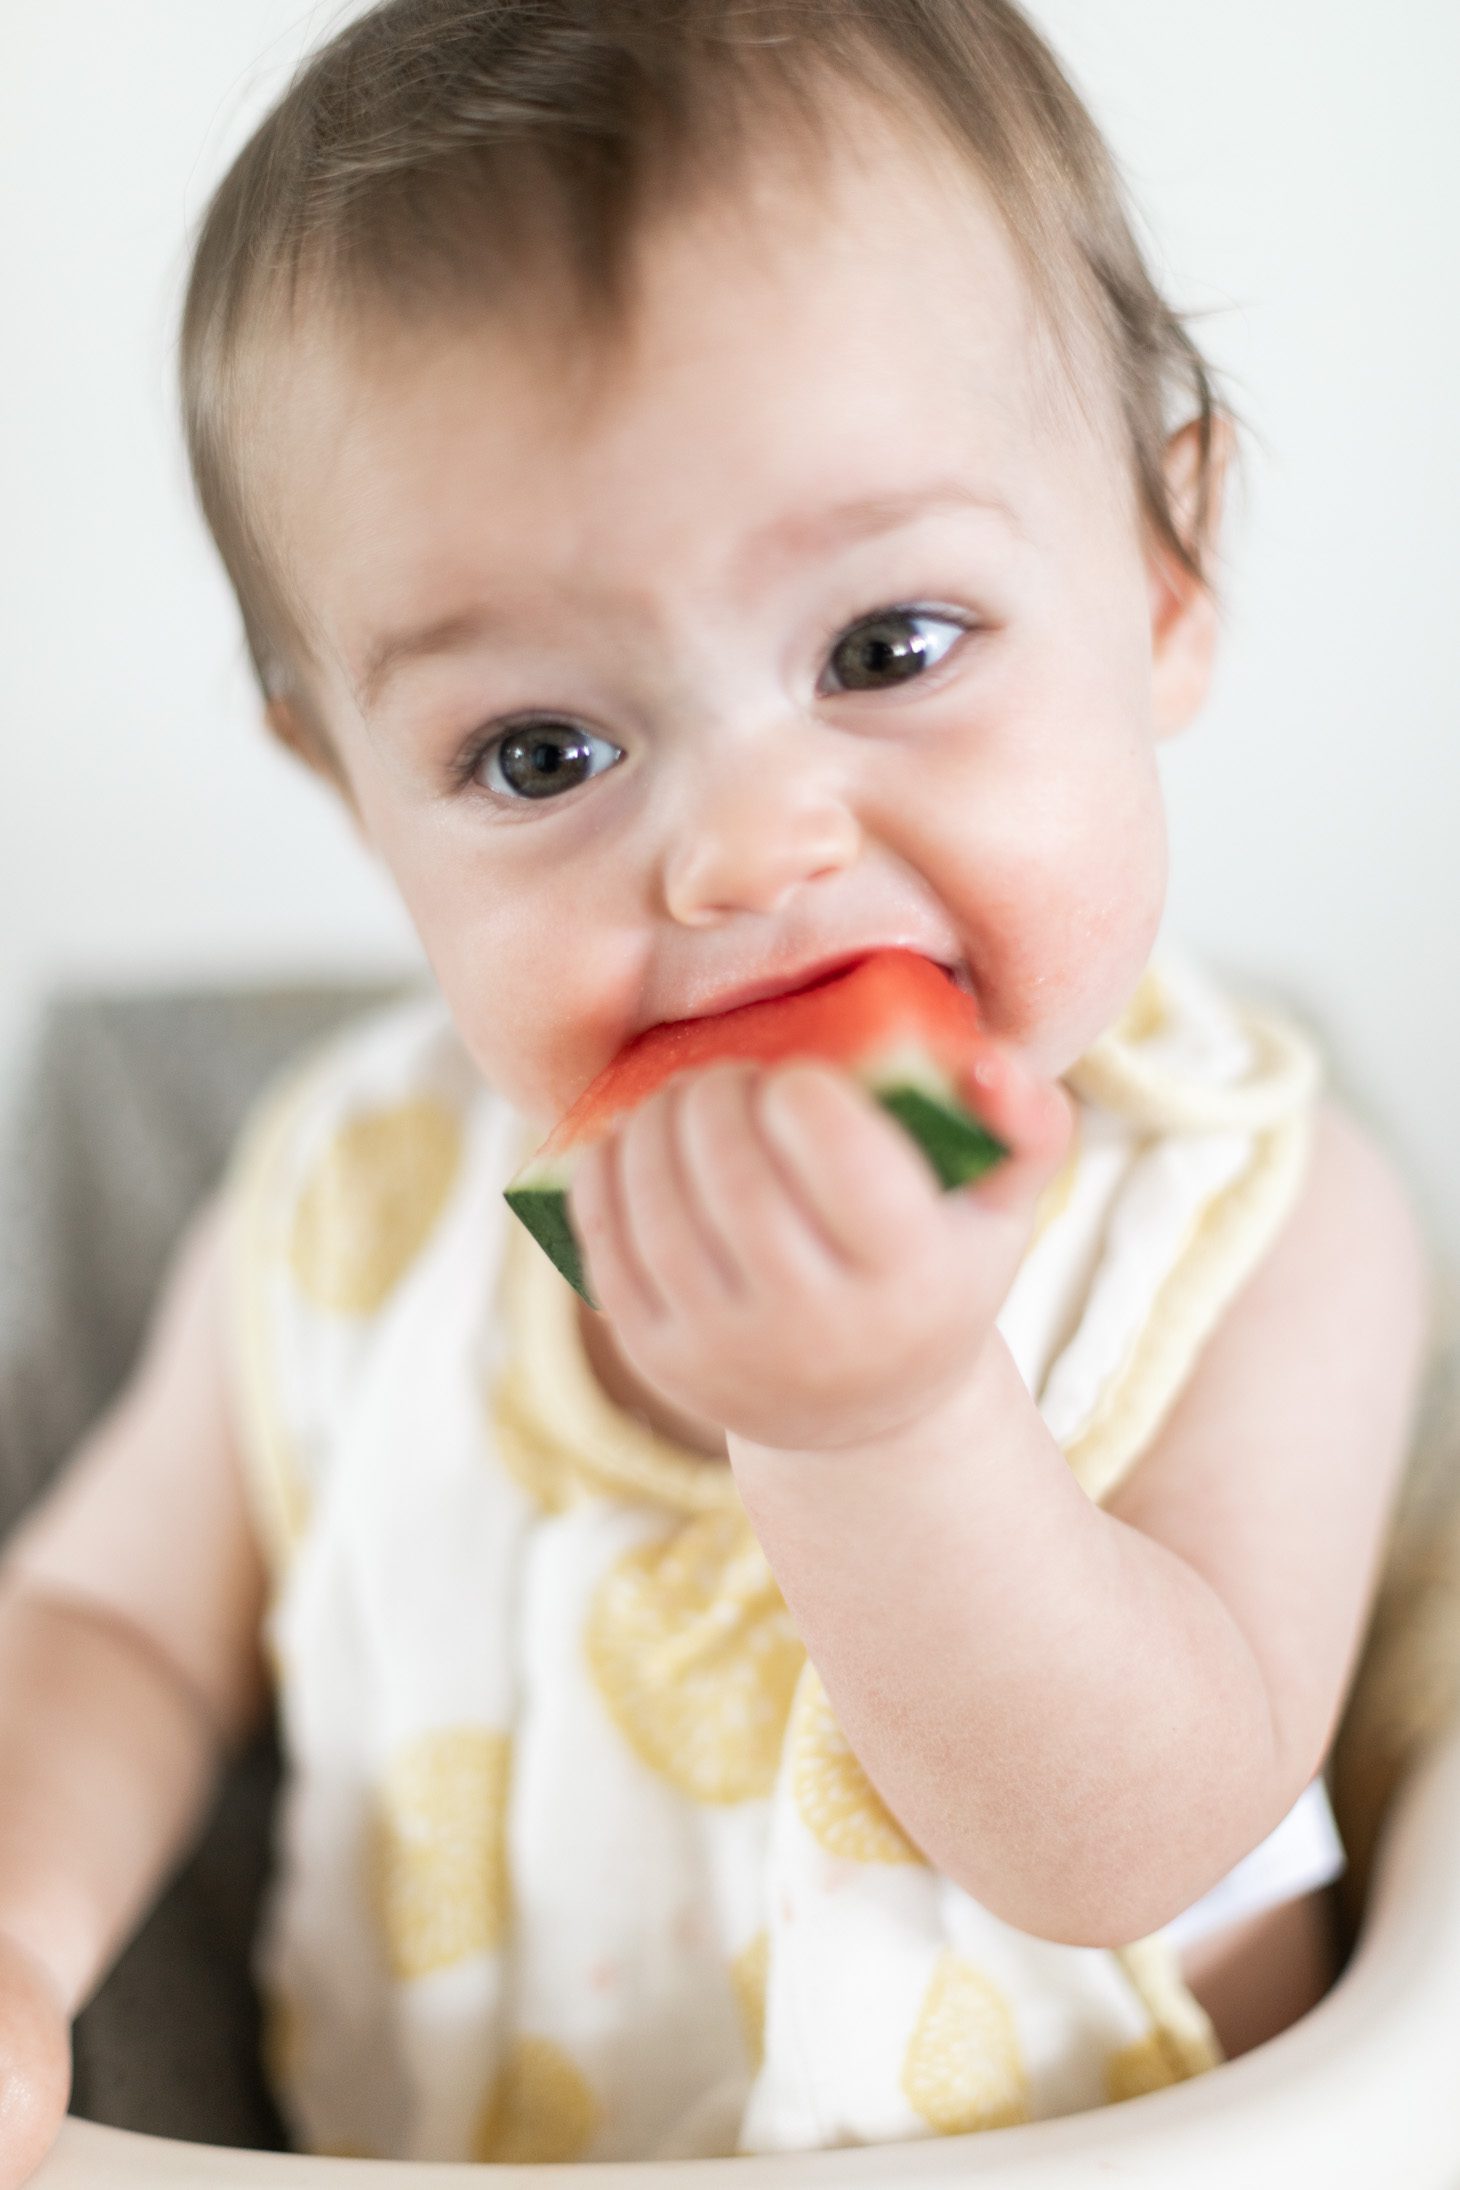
{"x":1298,"y":170}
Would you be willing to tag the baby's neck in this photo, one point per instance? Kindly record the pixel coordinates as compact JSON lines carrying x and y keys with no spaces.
{"x":627,"y":1389}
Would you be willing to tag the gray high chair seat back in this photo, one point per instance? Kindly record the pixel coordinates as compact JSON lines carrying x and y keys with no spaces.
{"x":126,"y":1114}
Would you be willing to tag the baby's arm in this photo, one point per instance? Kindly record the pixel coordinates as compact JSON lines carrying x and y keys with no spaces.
{"x":130,"y":1669}
{"x":1086,"y":1716}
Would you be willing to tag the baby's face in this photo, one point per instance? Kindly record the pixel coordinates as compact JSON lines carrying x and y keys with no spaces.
{"x":816,"y":626}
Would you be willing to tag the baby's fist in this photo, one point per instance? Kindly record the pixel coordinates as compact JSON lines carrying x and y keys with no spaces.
{"x":777,"y":1256}
{"x":35,"y":2063}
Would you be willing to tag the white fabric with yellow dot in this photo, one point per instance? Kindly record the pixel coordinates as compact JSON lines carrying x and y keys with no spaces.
{"x":573,"y":1860}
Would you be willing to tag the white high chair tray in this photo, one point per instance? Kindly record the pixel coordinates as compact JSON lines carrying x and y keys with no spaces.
{"x":1363,"y":2092}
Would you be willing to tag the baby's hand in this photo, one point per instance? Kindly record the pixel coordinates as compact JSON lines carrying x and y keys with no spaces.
{"x":776,"y":1254}
{"x":35,"y":2063}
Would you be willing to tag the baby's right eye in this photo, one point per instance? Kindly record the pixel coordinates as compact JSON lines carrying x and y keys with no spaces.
{"x":535,"y":760}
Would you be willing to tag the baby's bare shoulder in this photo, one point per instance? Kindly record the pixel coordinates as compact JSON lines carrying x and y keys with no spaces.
{"x":1275,"y":1473}
{"x":147,"y":1522}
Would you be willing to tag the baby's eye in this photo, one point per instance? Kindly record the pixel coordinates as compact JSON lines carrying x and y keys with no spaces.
{"x":536,"y":760}
{"x":891,"y":648}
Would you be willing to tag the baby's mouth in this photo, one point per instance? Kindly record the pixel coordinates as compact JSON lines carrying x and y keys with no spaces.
{"x":821,"y":976}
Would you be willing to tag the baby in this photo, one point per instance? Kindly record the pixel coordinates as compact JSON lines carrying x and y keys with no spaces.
{"x":715,"y":491}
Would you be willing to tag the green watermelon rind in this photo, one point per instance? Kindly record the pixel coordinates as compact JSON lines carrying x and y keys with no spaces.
{"x":958,"y":1146}
{"x":543,"y":1208}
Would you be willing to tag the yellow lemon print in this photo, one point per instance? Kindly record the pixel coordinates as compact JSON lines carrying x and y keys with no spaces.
{"x":693,"y":1651}
{"x":1146,"y":2064}
{"x":837,"y":1802}
{"x":963,"y":2069}
{"x":370,"y":1203}
{"x":438,"y":1854}
{"x":748,"y":1975}
{"x":540,"y":2108}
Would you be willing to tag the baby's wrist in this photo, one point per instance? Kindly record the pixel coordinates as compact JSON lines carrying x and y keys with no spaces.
{"x":938,"y":1432}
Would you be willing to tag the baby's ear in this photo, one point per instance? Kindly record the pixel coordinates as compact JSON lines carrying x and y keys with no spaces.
{"x":1184,"y":620}
{"x":288,"y":726}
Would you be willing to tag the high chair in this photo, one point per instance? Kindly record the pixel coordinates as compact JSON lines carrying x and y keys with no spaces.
{"x":126,"y":1113}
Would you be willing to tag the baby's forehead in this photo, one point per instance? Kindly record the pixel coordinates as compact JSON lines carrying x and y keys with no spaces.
{"x":863,"y":324}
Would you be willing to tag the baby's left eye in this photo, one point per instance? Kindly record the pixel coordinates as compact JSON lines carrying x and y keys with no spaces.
{"x":891,"y":648}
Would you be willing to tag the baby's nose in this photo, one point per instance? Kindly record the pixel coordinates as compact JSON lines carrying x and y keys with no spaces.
{"x":747,"y":845}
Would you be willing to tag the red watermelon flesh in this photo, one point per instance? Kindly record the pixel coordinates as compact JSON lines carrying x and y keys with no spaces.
{"x":894,"y":1020}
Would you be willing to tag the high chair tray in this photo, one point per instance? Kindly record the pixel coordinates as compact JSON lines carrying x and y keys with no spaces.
{"x":1362,"y":2093}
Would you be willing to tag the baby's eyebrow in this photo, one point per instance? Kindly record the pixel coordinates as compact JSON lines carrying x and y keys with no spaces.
{"x":802,"y":534}
{"x":817,"y":532}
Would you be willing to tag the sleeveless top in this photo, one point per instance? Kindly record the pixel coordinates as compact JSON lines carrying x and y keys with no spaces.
{"x":572,"y":1860}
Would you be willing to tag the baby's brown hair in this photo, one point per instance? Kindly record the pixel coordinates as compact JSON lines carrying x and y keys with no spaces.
{"x":436,"y":157}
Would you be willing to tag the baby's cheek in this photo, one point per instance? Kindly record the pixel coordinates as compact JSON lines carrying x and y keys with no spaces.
{"x":1092,"y":922}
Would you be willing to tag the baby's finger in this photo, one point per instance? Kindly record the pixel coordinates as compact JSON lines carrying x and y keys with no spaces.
{"x":1038,"y":1121}
{"x":1009,"y":1097}
{"x":870,"y":1186}
{"x":687,"y":1264}
{"x":758,"y":1205}
{"x":621,"y":1287}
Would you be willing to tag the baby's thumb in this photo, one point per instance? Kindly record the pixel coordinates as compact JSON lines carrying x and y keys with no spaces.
{"x":1036,"y":1123}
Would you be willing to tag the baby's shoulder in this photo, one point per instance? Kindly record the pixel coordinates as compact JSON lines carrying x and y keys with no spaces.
{"x":1356,"y":1236}
{"x":1276,"y":1471}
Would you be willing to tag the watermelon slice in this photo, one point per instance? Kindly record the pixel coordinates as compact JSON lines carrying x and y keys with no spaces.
{"x":894,"y":1020}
